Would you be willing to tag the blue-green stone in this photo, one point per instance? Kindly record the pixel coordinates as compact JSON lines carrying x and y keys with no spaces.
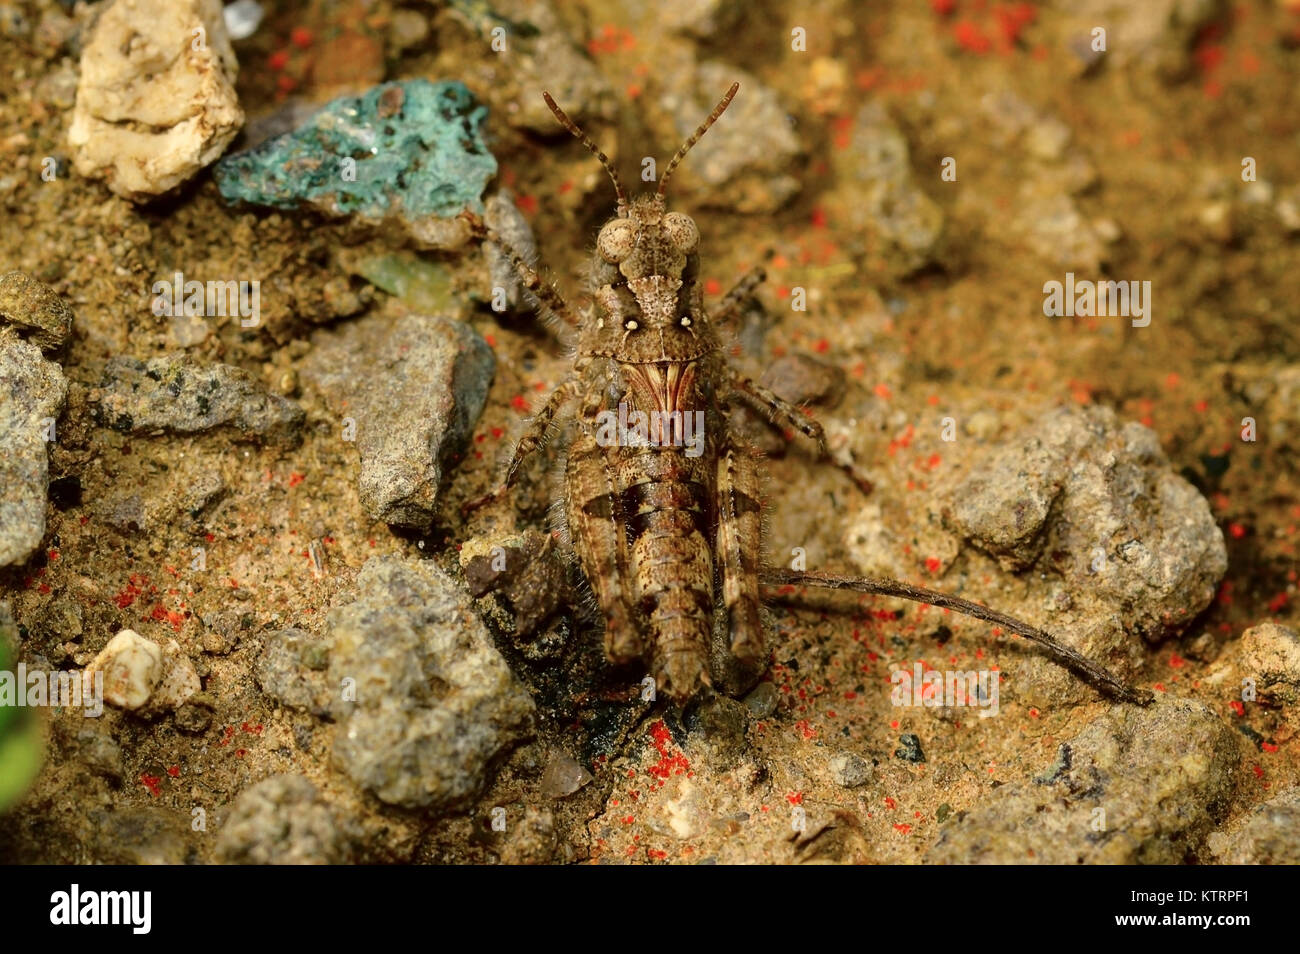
{"x":418,"y":148}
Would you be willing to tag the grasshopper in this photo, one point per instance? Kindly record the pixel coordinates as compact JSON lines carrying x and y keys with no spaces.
{"x":666,"y":528}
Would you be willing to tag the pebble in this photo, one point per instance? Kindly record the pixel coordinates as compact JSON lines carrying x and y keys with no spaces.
{"x":148,"y":835}
{"x":141,"y":676}
{"x":174,"y":393}
{"x":36,"y":309}
{"x":436,"y":371}
{"x":723,"y":724}
{"x":32,"y":396}
{"x":408,"y":30}
{"x":909,"y":749}
{"x":153,"y":105}
{"x":1268,"y":834}
{"x":563,"y":776}
{"x":1156,"y":36}
{"x":242,"y":18}
{"x":762,"y":700}
{"x":744,"y":163}
{"x":101,"y":754}
{"x":849,"y":770}
{"x":533,"y":583}
{"x":802,"y":379}
{"x":541,"y":57}
{"x":283,"y":820}
{"x":1271,"y":655}
{"x":1077,"y":480}
{"x":887,"y":202}
{"x":292,"y":670}
{"x":435,"y":704}
{"x":530,"y":840}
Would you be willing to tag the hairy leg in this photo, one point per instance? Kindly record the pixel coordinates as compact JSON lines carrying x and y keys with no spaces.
{"x":790,"y":417}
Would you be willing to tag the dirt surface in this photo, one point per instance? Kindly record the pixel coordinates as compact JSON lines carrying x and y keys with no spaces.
{"x":924,"y":302}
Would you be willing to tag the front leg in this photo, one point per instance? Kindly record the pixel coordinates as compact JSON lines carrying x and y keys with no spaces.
{"x":731,"y":301}
{"x":532,"y":280}
{"x":792,"y":418}
{"x":533,"y":438}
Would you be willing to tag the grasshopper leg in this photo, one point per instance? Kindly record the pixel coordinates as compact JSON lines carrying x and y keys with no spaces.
{"x":791,"y":417}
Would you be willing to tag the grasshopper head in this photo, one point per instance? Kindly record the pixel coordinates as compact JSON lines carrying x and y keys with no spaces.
{"x":649,"y":304}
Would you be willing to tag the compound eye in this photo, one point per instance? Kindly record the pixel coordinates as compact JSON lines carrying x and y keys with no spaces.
{"x":616,"y":240}
{"x":682,"y":232}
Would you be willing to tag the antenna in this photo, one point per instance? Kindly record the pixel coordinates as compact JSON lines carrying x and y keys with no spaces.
{"x":577,"y":132}
{"x":695,"y":137}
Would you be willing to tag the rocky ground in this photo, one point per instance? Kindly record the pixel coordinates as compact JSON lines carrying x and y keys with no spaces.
{"x":250,"y":523}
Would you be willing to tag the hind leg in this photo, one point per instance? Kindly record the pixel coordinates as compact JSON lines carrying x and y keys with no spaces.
{"x":598,"y":529}
{"x":739,"y":549}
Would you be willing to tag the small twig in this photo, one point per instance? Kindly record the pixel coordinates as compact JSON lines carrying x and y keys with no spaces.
{"x":1073,"y":660}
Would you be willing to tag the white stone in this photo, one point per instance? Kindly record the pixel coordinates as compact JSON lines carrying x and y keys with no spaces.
{"x":141,"y":676}
{"x":156,"y":99}
{"x":132,"y":667}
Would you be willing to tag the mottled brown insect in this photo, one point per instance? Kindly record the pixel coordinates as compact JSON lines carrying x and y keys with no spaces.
{"x":661,"y":501}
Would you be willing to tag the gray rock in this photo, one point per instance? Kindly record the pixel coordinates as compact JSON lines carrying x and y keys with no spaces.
{"x":176,"y":394}
{"x":1269,"y":834}
{"x":886,"y":201}
{"x":802,"y":379}
{"x":542,"y":56}
{"x":1136,"y":786}
{"x":1096,"y":502}
{"x":36,"y":309}
{"x":909,"y":748}
{"x":140,"y":836}
{"x":745,"y":161}
{"x":503,"y":216}
{"x":292,"y":670}
{"x":699,"y":18}
{"x":1157,"y":36}
{"x":282,"y":820}
{"x":101,"y":754}
{"x":1052,"y":226}
{"x":426,"y":380}
{"x":435,"y":704}
{"x":32,"y":395}
{"x":1271,"y":655}
{"x":849,"y":770}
